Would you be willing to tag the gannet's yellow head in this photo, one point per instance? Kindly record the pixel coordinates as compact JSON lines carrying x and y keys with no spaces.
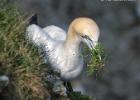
{"x":87,"y":29}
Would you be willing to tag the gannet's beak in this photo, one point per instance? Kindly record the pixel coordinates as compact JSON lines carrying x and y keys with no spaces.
{"x":89,"y":41}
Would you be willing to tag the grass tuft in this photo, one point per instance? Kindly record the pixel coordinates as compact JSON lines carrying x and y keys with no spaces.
{"x":19,"y":59}
{"x":97,"y":59}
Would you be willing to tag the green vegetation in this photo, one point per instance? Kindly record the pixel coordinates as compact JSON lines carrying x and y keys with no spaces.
{"x":97,"y":59}
{"x":78,"y":96}
{"x":19,"y":60}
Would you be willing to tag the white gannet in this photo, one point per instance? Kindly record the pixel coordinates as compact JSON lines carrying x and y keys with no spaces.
{"x":63,"y":50}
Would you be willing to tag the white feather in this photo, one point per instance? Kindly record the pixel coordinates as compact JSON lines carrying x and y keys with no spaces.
{"x":55,"y":32}
{"x":66,"y":60}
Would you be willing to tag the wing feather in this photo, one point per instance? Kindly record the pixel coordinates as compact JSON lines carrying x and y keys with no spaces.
{"x":37,"y":35}
{"x":55,"y":32}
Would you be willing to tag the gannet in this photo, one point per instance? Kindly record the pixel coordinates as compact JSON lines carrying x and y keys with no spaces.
{"x":63,"y":50}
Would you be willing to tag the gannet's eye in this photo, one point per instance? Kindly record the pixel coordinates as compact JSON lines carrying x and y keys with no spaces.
{"x":84,"y":36}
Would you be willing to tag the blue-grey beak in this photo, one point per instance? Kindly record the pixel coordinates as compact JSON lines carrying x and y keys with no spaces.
{"x":89,"y":41}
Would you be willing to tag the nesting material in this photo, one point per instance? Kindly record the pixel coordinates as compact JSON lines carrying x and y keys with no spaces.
{"x":96,"y":60}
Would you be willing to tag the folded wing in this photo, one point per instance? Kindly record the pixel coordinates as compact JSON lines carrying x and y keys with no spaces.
{"x":37,"y":35}
{"x":55,"y":32}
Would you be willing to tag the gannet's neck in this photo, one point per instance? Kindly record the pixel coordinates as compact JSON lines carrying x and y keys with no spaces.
{"x":73,"y":39}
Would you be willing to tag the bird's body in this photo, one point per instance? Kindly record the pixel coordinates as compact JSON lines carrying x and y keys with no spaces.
{"x":63,"y":50}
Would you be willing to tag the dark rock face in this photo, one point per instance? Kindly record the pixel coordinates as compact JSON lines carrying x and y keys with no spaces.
{"x":120,"y":36}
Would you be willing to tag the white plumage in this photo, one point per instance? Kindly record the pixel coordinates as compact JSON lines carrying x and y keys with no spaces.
{"x":63,"y":50}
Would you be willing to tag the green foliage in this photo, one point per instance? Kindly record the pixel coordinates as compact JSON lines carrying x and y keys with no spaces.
{"x":19,"y":59}
{"x":97,"y":59}
{"x":78,"y":96}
